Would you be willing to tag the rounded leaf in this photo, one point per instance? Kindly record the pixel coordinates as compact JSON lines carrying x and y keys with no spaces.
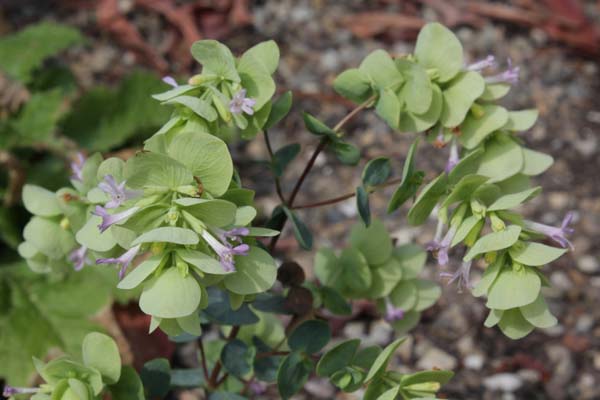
{"x":101,"y":352}
{"x":170,"y":295}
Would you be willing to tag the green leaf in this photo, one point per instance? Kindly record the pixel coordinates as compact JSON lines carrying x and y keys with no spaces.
{"x":428,"y":293}
{"x":40,"y":41}
{"x":168,"y":234}
{"x":475,"y":129}
{"x":439,"y":376}
{"x":260,"y":86}
{"x":283,"y":157}
{"x":489,"y":276}
{"x":255,"y":273}
{"x":495,"y":91}
{"x":153,"y":170}
{"x":382,"y":360}
{"x":521,"y":120}
{"x":326,"y":267}
{"x":293,"y":374}
{"x":534,"y":254}
{"x":356,"y":273}
{"x":101,"y":352}
{"x":129,"y":386}
{"x":463,"y":190}
{"x":264,"y":56}
{"x":198,"y":106}
{"x":334,"y":301}
{"x":514,"y":288}
{"x":466,"y":226}
{"x":339,"y":357}
{"x":301,"y":232}
{"x":467,"y":165}
{"x":502,"y":159}
{"x":493,"y":318}
{"x":156,"y":377}
{"x":410,"y":180}
{"x":281,"y":107}
{"x":40,"y":201}
{"x":310,"y":336}
{"x":459,"y":96}
{"x":513,"y":200}
{"x":405,"y":295}
{"x":216,"y":59}
{"x":207,"y":157}
{"x":427,"y":200}
{"x":172,"y":93}
{"x":381,"y":69}
{"x":237,"y":358}
{"x":354,"y":85}
{"x":48,"y":237}
{"x":204,"y":263}
{"x":412,"y":259}
{"x":408,"y":322}
{"x":376,"y":172}
{"x":373,"y":242}
{"x":345,"y":152}
{"x":389,"y":394}
{"x":317,"y":127}
{"x":534,"y":162}
{"x":514,"y":325}
{"x":91,"y":237}
{"x":36,"y":123}
{"x":362,"y":204}
{"x":388,"y":107}
{"x":416,"y":91}
{"x":215,"y":213}
{"x":438,"y":48}
{"x":384,"y":278}
{"x":494,"y":241}
{"x":225,"y":396}
{"x":219,"y":310}
{"x":170,"y":295}
{"x":188,"y":378}
{"x":538,"y":314}
{"x":141,"y":272}
{"x":411,"y":122}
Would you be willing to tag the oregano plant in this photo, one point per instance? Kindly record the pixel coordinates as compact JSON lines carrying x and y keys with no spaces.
{"x":177,"y":223}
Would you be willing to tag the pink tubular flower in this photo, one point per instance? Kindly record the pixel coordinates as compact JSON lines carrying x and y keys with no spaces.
{"x":9,"y":391}
{"x":124,"y":260}
{"x":77,"y":167}
{"x":169,"y":80}
{"x":240,"y":103}
{"x":225,"y":251}
{"x":558,"y":234}
{"x":510,"y":76}
{"x":79,"y":258}
{"x":110,"y":219}
{"x":453,"y":158}
{"x":117,"y":192}
{"x":441,"y":247}
{"x":392,"y":313}
{"x":461,"y":276}
{"x":488,"y":62}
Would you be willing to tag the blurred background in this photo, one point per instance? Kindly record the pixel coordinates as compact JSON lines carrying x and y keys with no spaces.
{"x":77,"y":75}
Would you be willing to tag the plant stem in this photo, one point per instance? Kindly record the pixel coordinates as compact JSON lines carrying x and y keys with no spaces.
{"x":277,"y":180}
{"x":213,"y":381}
{"x":311,"y":162}
{"x":346,"y":196}
{"x":203,"y":358}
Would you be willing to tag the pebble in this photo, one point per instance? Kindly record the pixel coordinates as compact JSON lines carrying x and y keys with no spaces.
{"x":474,"y":361}
{"x":505,"y":382}
{"x":588,"y":264}
{"x":436,"y":358}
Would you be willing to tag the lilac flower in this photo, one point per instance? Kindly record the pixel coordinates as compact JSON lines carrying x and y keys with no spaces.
{"x":510,"y":76}
{"x":240,"y":103}
{"x":11,"y":391}
{"x":77,"y":167}
{"x":234,"y":234}
{"x":79,"y":258}
{"x":225,"y":251}
{"x":117,"y":192}
{"x":258,"y":388}
{"x":461,"y":276}
{"x":109,"y":219}
{"x":169,"y":80}
{"x":392,"y":313}
{"x":488,"y":62}
{"x":124,"y":260}
{"x":558,"y":234}
{"x":441,"y":247}
{"x":453,"y":158}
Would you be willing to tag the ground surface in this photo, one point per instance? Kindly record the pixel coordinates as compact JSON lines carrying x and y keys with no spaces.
{"x":319,"y":39}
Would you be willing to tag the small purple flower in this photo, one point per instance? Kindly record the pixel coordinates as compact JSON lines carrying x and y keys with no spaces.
{"x":461,"y":276}
{"x":234,"y":234}
{"x":77,"y":167}
{"x":558,"y":234}
{"x":453,"y":158}
{"x":258,"y":388}
{"x":117,"y":192}
{"x":110,"y":219}
{"x":240,"y":103}
{"x":510,"y":76}
{"x":79,"y":258}
{"x":11,"y":391}
{"x":392,"y":313}
{"x":225,"y":251}
{"x":124,"y":260}
{"x":440,"y":247}
{"x":169,"y":80}
{"x":479,"y":65}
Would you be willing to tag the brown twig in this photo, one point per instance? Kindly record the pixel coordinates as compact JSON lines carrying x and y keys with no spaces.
{"x":275,"y":177}
{"x":203,"y":359}
{"x":213,"y":381}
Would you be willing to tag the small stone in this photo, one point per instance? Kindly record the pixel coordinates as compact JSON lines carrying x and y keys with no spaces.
{"x":436,"y":358}
{"x":530,"y":375}
{"x":505,"y":382}
{"x":588,"y":264}
{"x":561,"y":281}
{"x":474,"y":361}
{"x":584,"y":323}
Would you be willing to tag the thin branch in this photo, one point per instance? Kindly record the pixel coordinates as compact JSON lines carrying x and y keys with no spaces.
{"x":346,"y":196}
{"x":213,"y":381}
{"x":203,"y":357}
{"x":275,"y":177}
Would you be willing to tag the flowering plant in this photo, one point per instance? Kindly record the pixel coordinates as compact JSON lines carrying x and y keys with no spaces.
{"x":177,"y":222}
